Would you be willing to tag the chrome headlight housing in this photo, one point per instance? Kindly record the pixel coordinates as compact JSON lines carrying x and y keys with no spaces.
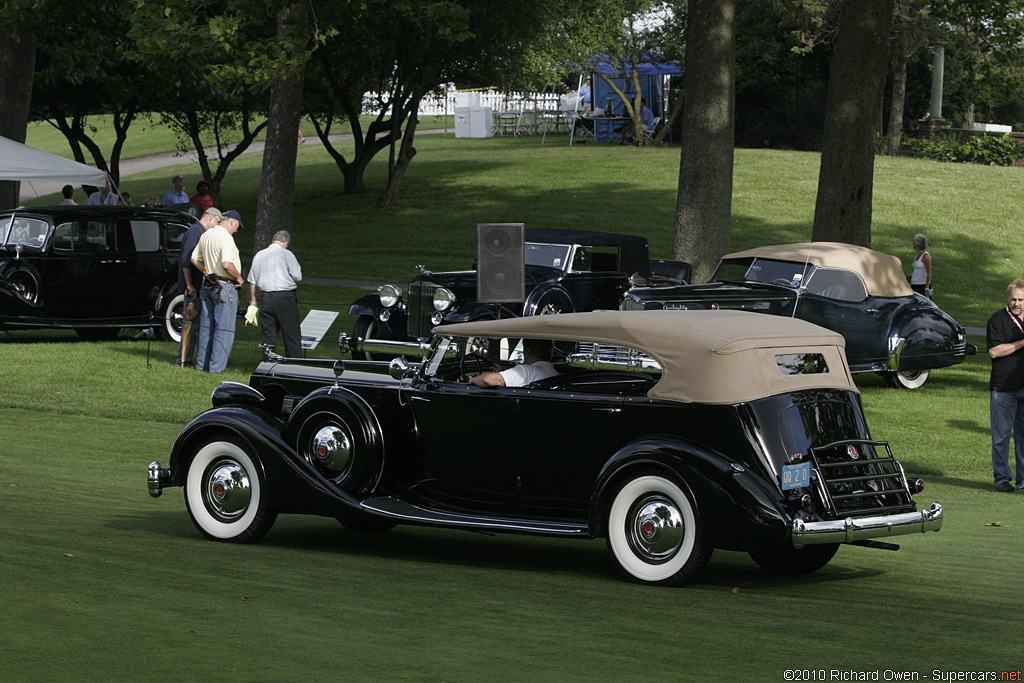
{"x":444,"y":299}
{"x":390,"y":295}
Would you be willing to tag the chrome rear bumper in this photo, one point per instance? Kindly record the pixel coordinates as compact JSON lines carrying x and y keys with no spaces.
{"x":864,"y":528}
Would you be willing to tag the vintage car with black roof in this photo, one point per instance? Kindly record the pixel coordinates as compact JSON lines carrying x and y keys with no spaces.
{"x":563,"y":271}
{"x":95,"y":269}
{"x":667,"y":433}
{"x":859,"y":292}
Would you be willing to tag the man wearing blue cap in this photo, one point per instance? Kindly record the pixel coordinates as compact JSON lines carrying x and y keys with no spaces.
{"x":217,"y":256}
{"x":190,"y":279}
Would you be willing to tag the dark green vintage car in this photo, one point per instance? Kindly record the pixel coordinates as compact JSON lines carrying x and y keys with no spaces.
{"x":858,"y":292}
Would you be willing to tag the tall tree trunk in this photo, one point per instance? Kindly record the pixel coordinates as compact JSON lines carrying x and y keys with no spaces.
{"x":897,"y":98}
{"x":405,"y":154}
{"x":277,"y":180}
{"x":704,"y":202}
{"x":856,"y":82}
{"x":17,"y":69}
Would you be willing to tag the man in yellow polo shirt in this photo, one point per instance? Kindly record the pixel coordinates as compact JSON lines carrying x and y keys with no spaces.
{"x":217,"y":256}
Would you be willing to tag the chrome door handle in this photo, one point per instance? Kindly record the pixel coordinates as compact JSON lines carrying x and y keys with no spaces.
{"x":607,"y":410}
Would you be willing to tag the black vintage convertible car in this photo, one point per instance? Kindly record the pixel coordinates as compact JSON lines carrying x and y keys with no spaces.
{"x":668,"y":433}
{"x":858,"y":292}
{"x":564,"y":271}
{"x":92,"y":268}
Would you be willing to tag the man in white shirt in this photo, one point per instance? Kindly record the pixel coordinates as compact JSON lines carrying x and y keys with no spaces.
{"x":275,"y":272}
{"x":103,"y":197}
{"x":537,"y":354}
{"x":69,"y":196}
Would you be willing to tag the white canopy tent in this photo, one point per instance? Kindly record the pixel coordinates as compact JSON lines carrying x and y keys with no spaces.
{"x":27,"y":164}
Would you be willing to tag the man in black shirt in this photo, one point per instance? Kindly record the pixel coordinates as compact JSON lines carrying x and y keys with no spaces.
{"x":1005,"y":338}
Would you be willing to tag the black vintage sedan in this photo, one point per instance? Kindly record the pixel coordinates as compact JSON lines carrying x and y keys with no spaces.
{"x":564,"y":271}
{"x":858,"y":292}
{"x":92,"y":268}
{"x":668,"y":433}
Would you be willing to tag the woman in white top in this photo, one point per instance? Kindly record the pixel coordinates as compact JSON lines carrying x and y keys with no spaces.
{"x":921,"y":275}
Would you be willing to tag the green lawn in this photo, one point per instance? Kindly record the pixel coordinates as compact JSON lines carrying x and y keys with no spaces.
{"x":966,"y":211}
{"x":102,"y":582}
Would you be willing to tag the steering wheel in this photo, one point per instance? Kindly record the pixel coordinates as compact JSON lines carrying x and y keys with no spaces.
{"x":782,"y":281}
{"x":481,"y":365}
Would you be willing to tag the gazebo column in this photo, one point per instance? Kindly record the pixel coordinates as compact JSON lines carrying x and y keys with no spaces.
{"x":928,"y":125}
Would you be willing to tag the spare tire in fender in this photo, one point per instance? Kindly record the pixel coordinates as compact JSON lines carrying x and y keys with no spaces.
{"x":337,"y":432}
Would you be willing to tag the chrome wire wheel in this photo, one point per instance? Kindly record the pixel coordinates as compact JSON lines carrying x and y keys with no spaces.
{"x":653,"y":532}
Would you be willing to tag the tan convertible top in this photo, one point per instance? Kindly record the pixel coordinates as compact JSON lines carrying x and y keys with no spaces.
{"x":883,"y":274}
{"x":705,"y":356}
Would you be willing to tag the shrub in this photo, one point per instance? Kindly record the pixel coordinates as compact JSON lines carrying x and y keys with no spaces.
{"x":1000,"y":150}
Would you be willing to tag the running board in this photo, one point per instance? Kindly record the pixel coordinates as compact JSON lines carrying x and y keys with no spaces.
{"x":393,"y":508}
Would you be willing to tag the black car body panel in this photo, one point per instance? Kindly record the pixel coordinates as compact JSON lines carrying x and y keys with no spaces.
{"x":89,"y":267}
{"x":374,"y":444}
{"x":905,"y":333}
{"x":564,"y":271}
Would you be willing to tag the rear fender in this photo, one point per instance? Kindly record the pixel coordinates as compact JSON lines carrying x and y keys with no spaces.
{"x":737,"y":508}
{"x":922,"y":338}
{"x":293,"y":485}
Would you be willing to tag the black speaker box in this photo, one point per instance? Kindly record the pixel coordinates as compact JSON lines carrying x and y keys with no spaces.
{"x":499,"y":262}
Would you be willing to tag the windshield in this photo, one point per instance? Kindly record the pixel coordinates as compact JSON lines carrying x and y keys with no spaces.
{"x":763,"y":270}
{"x":548,"y":255}
{"x":30,"y":232}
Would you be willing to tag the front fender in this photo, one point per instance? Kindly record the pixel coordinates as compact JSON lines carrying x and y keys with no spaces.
{"x":738,"y":508}
{"x":292,"y":484}
{"x":476,"y":311}
{"x":366,"y":305}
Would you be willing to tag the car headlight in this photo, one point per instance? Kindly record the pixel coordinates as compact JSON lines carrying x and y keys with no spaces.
{"x":443,"y":299}
{"x":389,"y":295}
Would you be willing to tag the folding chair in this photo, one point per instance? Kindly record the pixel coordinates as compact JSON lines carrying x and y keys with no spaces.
{"x":649,"y":134}
{"x":577,"y":131}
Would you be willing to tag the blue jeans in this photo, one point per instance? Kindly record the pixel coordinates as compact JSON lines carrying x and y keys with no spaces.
{"x":193,"y":334}
{"x":1006,"y":410}
{"x":217,"y":331}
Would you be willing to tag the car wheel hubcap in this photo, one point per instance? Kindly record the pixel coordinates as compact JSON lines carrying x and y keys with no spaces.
{"x":655,"y":529}
{"x":227,"y":489}
{"x":332,"y":448}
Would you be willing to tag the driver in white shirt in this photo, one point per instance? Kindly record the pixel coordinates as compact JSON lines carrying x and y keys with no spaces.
{"x":536,"y":365}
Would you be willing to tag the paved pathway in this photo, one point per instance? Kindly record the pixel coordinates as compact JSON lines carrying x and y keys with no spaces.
{"x":130,"y":167}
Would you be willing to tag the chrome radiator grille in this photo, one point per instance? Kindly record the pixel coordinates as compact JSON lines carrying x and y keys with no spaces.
{"x":421,"y":307}
{"x":630,"y":304}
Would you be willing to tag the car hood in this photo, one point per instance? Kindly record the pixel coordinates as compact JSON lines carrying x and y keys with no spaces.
{"x":466,"y":279}
{"x":709,"y":293}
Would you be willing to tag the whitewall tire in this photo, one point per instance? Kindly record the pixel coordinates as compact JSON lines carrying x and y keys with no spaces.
{"x":224,"y":493}
{"x":653,"y":532}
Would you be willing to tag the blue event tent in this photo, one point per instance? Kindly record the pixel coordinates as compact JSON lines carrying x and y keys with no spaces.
{"x":653,"y":75}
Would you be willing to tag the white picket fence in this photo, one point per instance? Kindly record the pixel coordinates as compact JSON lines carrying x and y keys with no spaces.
{"x":444,"y":103}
